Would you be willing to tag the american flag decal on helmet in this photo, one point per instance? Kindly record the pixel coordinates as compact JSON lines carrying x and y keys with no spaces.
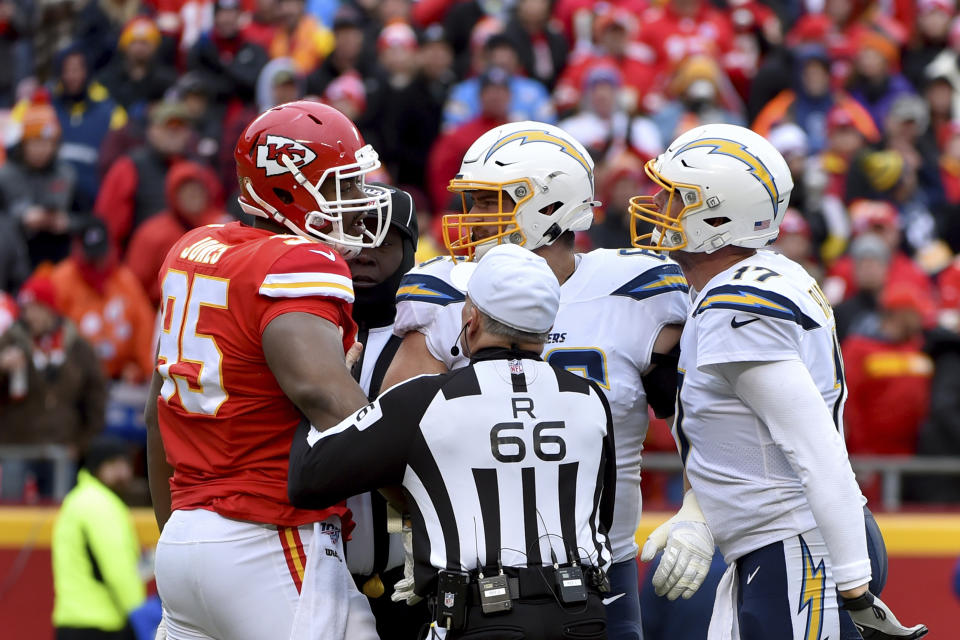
{"x":760,"y":226}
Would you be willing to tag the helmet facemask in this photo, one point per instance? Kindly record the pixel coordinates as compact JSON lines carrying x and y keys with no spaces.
{"x":460,"y":230}
{"x":668,"y":233}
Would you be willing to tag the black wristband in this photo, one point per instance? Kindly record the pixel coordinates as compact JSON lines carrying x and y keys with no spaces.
{"x":859,"y":603}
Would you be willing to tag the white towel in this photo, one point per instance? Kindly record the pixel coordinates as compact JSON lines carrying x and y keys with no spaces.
{"x":330,"y":606}
{"x":724,"y":624}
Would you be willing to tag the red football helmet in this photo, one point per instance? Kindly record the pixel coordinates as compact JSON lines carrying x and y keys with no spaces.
{"x":284,"y":159}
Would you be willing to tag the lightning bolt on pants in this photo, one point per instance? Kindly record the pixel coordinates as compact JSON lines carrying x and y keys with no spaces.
{"x":783,"y":590}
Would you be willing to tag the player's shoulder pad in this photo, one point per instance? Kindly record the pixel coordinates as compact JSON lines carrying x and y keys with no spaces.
{"x":638,"y":273}
{"x":754,"y":300}
{"x":430,"y":282}
{"x":301,"y":267}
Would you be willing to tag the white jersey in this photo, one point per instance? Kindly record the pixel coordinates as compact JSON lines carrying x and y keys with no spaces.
{"x":763,"y":309}
{"x":611,"y":311}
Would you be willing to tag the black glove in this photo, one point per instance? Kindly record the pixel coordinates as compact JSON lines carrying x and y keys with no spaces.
{"x":875,"y":621}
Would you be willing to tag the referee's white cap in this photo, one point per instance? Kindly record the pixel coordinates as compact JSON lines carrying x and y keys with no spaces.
{"x":513,"y":286}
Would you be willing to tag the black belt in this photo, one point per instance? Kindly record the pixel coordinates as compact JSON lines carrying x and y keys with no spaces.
{"x":527,"y":582}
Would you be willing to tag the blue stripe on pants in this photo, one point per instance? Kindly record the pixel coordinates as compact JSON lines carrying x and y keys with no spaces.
{"x":623,"y":614}
{"x":763,"y":604}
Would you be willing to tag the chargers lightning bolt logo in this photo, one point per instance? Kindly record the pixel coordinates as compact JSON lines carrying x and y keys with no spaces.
{"x":533,"y":135}
{"x":812,"y":592}
{"x":737,"y":150}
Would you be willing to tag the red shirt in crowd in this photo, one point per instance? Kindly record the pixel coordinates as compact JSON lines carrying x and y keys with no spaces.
{"x":889,"y":394}
{"x":447,"y":154}
{"x":567,"y":11}
{"x":226,"y":424}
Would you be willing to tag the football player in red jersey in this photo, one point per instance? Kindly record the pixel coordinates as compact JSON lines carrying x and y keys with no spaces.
{"x":254,"y":326}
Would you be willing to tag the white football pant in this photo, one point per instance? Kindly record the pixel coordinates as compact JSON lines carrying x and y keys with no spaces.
{"x":223,"y":579}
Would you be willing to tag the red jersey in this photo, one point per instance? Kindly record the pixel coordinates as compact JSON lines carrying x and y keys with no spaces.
{"x":226,"y":424}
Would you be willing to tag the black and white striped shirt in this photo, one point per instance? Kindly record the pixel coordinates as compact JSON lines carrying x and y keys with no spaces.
{"x":507,"y":460}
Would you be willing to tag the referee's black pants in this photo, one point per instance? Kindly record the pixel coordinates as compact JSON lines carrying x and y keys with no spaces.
{"x":395,"y":620}
{"x":541,"y":618}
{"x":75,"y":633}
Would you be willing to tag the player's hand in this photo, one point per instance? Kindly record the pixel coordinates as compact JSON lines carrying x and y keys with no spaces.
{"x":403,"y":589}
{"x":688,"y":551}
{"x":875,"y":621}
{"x":353,"y":355}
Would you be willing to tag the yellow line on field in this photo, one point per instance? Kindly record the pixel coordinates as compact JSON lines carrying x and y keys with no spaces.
{"x":906,"y":534}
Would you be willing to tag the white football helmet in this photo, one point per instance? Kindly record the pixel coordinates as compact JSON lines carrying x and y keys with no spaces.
{"x":547,"y":173}
{"x":732,"y":185}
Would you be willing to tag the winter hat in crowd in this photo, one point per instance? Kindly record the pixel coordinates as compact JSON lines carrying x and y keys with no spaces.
{"x":40,"y":121}
{"x":103,"y":449}
{"x":38,"y":289}
{"x":140,"y":28}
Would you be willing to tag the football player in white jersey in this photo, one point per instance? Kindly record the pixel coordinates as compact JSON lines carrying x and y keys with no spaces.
{"x":531,"y":184}
{"x":760,"y":401}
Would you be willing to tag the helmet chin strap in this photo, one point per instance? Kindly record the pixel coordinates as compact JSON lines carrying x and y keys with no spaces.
{"x":266,"y":210}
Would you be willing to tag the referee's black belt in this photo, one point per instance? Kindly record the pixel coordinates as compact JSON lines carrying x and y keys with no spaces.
{"x":525,"y":582}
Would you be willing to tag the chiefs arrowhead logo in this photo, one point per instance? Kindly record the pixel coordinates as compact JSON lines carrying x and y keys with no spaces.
{"x":269,"y":154}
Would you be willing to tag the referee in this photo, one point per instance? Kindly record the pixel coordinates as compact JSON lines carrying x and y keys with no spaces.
{"x":507,"y":466}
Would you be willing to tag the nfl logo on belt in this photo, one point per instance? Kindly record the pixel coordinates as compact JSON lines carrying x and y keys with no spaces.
{"x":448,"y":599}
{"x":516,"y":368}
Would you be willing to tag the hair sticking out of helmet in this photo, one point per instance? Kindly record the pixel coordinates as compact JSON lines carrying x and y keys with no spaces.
{"x":524,"y":183}
{"x":304,"y":165}
{"x":720,"y":185}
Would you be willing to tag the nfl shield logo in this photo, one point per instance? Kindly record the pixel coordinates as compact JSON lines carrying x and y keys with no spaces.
{"x":448,"y":599}
{"x":516,"y":368}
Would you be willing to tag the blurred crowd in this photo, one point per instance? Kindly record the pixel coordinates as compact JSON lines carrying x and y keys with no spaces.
{"x":119,"y":120}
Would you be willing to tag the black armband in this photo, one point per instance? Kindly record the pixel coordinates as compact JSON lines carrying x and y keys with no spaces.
{"x":660,"y":383}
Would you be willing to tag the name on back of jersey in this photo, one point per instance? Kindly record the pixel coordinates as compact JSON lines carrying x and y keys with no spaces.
{"x":204,"y":251}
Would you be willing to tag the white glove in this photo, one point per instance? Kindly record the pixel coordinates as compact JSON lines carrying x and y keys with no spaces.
{"x":688,"y":551}
{"x":403,"y":589}
{"x":162,"y":628}
{"x":875,"y":621}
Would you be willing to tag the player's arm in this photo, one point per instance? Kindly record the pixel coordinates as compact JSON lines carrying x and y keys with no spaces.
{"x":685,"y":539}
{"x":660,"y":378}
{"x":801,"y":425}
{"x":159,"y":470}
{"x":785,"y":397}
{"x":366,"y":450}
{"x":305,"y":355}
{"x":413,"y":358}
